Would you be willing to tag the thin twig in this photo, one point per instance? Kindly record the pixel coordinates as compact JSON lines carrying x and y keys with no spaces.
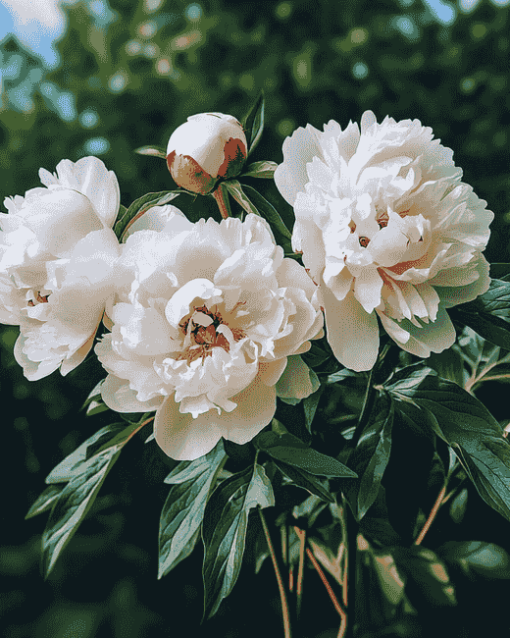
{"x":301,"y":566}
{"x":343,"y":627}
{"x":432,"y":516}
{"x":281,"y":588}
{"x":340,"y":610}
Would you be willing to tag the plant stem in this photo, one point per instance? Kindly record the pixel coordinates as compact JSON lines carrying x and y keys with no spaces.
{"x":432,"y":516}
{"x":301,"y":566}
{"x":340,"y":610}
{"x":222,"y":201}
{"x":281,"y":587}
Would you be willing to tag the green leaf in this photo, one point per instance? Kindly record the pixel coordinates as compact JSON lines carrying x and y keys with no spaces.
{"x":224,"y":531}
{"x":340,"y":376}
{"x":370,"y":458}
{"x":45,"y":501}
{"x":94,"y":403}
{"x":315,"y":356}
{"x":140,"y":206}
{"x":235,"y":189}
{"x":488,"y":314}
{"x":184,"y":508}
{"x":458,"y":506}
{"x":71,"y":465}
{"x":470,"y":429}
{"x":268,"y":212}
{"x":310,"y":508}
{"x":253,"y":123}
{"x":425,"y":576}
{"x":293,"y":451}
{"x":116,"y":434}
{"x":488,"y":466}
{"x":477,"y":558}
{"x":261,"y":170}
{"x":152,"y":151}
{"x":72,"y":506}
{"x":461,"y":417}
{"x":94,"y":395}
{"x":310,"y":405}
{"x":304,"y":479}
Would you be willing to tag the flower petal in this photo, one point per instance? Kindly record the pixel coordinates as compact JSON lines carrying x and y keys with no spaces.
{"x":291,"y":176}
{"x":157,"y":218}
{"x":182,"y":437}
{"x":119,"y":397}
{"x":90,"y":176}
{"x":352,"y":333}
{"x":435,"y":336}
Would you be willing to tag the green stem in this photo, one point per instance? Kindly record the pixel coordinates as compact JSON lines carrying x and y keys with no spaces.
{"x":281,"y":587}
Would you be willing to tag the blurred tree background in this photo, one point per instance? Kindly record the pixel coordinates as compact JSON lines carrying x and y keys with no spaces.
{"x":130,"y":71}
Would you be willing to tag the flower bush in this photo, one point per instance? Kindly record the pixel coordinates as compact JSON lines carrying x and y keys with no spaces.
{"x":387,"y":230}
{"x":214,"y":335}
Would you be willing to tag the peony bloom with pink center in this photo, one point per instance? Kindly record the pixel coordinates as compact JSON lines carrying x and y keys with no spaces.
{"x":386,"y":229}
{"x":207,"y":326}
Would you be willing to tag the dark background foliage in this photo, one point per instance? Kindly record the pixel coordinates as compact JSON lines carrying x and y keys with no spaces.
{"x":129,"y":73}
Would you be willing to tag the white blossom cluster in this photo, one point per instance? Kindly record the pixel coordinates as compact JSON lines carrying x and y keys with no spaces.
{"x":207,"y":320}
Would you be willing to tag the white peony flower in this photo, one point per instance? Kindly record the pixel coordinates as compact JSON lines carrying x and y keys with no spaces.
{"x":57,"y":252}
{"x":205,"y":318}
{"x":206,"y":147}
{"x":58,"y":323}
{"x":387,"y":229}
{"x":48,"y":222}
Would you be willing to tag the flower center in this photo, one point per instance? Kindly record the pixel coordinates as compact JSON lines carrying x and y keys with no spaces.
{"x":201,"y":335}
{"x":39,"y":298}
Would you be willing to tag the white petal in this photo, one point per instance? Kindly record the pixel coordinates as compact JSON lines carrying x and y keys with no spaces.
{"x":291,"y":176}
{"x":256,"y":406}
{"x":90,"y":176}
{"x":182,"y":437}
{"x":271,"y":371}
{"x":73,"y":361}
{"x":352,"y":333}
{"x":179,"y":305}
{"x":367,"y":120}
{"x":337,"y":278}
{"x":436,"y":336}
{"x":158,"y":218}
{"x":33,"y":370}
{"x":388,"y":246}
{"x":452,"y":296}
{"x":367,"y":288}
{"x":118,"y":396}
{"x":60,"y":218}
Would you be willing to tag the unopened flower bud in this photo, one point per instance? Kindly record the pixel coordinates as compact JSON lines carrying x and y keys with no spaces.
{"x":206,"y":147}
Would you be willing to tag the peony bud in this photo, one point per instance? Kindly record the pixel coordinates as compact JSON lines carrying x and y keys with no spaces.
{"x":206,"y":147}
